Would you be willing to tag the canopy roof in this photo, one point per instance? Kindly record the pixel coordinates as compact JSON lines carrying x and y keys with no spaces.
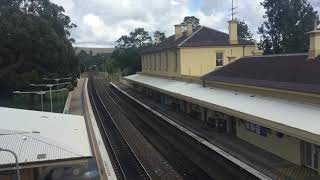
{"x":38,"y":137}
{"x":294,"y":118}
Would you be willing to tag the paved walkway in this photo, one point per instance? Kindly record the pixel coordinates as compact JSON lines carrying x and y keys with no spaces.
{"x":76,"y":108}
{"x":76,"y":100}
{"x":266,"y":162}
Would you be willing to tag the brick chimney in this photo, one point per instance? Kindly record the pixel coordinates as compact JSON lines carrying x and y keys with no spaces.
{"x":233,"y":32}
{"x":189,"y":28}
{"x":314,"y":50}
{"x":178,"y":30}
{"x":157,"y":38}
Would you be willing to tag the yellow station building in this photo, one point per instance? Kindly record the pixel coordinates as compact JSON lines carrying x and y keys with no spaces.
{"x":196,"y":52}
{"x":271,"y":102}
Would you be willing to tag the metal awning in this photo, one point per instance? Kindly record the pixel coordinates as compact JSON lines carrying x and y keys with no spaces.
{"x":300,"y":120}
{"x":42,"y":137}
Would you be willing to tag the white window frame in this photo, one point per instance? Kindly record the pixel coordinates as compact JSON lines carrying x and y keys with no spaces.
{"x":219,"y":61}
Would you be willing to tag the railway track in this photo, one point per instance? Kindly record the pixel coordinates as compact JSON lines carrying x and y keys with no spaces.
{"x":188,"y":157}
{"x":198,"y":161}
{"x":124,"y":161}
{"x":187,"y":168}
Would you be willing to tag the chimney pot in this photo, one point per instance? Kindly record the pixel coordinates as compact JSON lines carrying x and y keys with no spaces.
{"x":157,"y":36}
{"x":178,"y":31}
{"x":189,"y":28}
{"x":314,"y":49}
{"x":233,"y":32}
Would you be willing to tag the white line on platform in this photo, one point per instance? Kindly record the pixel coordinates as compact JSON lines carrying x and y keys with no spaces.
{"x":226,"y":155}
{"x":108,"y":168}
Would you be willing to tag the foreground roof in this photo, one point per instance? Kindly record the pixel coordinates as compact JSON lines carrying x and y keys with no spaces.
{"x":204,"y":36}
{"x":297,"y":119}
{"x":293,"y":72}
{"x":38,"y":137}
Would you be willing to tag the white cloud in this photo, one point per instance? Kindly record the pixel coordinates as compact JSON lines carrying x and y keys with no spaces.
{"x":102,"y":22}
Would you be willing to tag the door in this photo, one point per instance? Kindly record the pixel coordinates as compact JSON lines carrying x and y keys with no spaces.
{"x":311,"y":156}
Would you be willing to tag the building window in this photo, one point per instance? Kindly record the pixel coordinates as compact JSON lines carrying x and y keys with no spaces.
{"x":219,"y":59}
{"x":255,"y":128}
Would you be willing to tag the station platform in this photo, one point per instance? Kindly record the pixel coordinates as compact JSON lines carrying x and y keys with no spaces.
{"x":75,"y":107}
{"x":263,"y":161}
{"x":80,"y":105}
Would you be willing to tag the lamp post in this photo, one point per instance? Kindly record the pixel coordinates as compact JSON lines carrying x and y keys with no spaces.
{"x":16,"y":159}
{"x":50,"y":89}
{"x":41,"y":93}
{"x":57,"y":82}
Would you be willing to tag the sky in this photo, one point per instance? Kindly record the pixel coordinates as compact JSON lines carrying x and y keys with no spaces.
{"x":101,"y":22}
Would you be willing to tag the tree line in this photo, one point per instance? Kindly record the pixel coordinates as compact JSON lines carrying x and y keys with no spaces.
{"x":35,"y":40}
{"x":34,"y":43}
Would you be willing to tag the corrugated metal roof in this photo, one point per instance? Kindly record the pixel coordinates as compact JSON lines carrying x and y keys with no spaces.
{"x":41,"y":136}
{"x":294,"y":115}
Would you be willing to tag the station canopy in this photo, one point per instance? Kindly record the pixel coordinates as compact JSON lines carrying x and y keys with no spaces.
{"x":300,"y":120}
{"x":42,"y":137}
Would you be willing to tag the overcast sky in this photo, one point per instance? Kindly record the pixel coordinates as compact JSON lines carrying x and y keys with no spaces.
{"x":102,"y":22}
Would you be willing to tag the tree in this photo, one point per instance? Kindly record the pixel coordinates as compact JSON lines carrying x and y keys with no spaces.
{"x":136,"y":39}
{"x":195,"y":21}
{"x":162,"y":35}
{"x":286,"y":27}
{"x":127,"y":55}
{"x":243,"y":30}
{"x":128,"y":60}
{"x":34,"y":42}
{"x":87,"y":61}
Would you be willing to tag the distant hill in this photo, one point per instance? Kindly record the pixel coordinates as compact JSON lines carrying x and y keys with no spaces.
{"x":94,"y":51}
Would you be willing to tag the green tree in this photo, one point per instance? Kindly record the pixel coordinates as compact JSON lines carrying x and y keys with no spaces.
{"x":87,"y":61}
{"x":136,"y":39}
{"x":127,"y":55}
{"x":34,"y":42}
{"x":286,"y":27}
{"x":110,"y":67}
{"x":195,"y":21}
{"x":243,"y":30}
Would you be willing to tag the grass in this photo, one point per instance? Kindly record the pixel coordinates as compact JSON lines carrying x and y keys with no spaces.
{"x":33,"y":102}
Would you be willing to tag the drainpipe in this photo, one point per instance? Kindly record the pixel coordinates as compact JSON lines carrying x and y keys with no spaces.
{"x":203,"y":83}
{"x":243,"y":50}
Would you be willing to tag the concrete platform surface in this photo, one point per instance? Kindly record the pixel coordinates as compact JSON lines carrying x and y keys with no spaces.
{"x":76,"y":100}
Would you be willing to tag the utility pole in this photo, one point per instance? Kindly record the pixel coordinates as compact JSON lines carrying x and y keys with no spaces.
{"x":41,"y":93}
{"x":50,"y":89}
{"x":57,"y":82}
{"x":232,"y":9}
